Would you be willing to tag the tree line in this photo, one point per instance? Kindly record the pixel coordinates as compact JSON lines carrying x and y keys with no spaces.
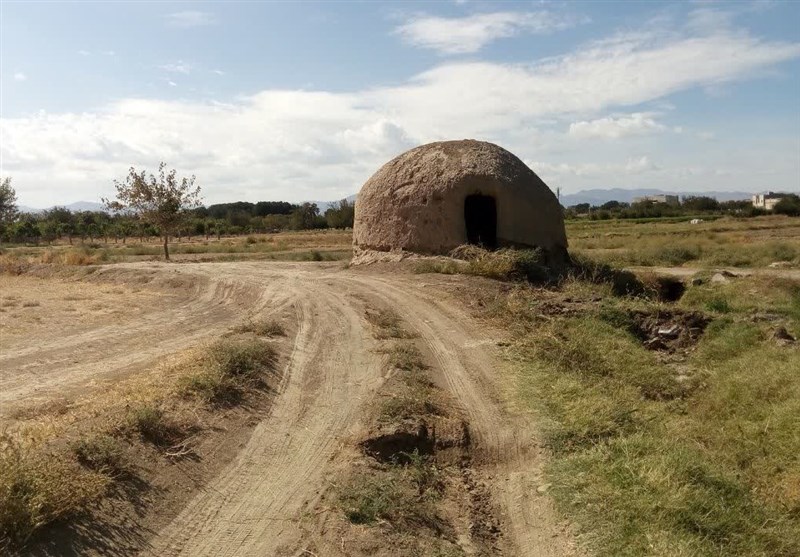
{"x":159,"y":206}
{"x":689,"y":206}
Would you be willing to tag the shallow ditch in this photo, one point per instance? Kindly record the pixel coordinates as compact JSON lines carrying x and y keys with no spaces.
{"x":668,"y":331}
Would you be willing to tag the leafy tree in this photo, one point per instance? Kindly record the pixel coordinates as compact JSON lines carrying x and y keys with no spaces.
{"x":8,"y":203}
{"x":700,"y":203}
{"x":341,"y":215}
{"x":613,"y":204}
{"x":789,"y":205}
{"x":163,"y":201}
{"x":305,"y":216}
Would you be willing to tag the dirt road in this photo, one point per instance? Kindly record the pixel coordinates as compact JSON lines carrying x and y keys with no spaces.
{"x":256,"y":506}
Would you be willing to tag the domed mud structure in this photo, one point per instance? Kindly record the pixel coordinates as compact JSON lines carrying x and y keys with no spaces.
{"x":441,"y":195}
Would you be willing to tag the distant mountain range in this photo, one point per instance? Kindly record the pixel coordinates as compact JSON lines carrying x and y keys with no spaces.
{"x":593,"y":197}
{"x":74,"y":207}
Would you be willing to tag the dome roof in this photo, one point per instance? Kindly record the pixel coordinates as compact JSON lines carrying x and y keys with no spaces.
{"x":441,"y":195}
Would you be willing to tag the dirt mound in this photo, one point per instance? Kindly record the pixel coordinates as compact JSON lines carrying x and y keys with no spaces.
{"x":436,"y":197}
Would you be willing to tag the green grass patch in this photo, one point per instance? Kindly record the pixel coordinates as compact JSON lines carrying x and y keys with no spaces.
{"x":404,"y":496}
{"x":692,"y":455}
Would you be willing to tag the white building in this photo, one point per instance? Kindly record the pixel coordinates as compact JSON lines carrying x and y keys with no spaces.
{"x":660,"y":198}
{"x":767,"y":201}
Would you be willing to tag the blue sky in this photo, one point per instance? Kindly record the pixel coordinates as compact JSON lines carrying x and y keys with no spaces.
{"x":305,"y":100}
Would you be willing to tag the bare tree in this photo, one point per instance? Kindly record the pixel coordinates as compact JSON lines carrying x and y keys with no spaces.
{"x":163,"y":200}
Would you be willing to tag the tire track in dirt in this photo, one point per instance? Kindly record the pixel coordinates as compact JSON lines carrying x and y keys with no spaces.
{"x":503,"y":443}
{"x":254,"y":507}
{"x":61,"y":364}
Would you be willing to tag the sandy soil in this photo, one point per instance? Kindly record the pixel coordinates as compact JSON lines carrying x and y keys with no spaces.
{"x":257,"y":504}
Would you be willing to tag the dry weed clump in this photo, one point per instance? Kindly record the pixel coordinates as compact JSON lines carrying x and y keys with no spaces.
{"x":503,"y":264}
{"x":37,"y":488}
{"x":388,"y":324}
{"x":101,"y":452}
{"x":232,"y":367}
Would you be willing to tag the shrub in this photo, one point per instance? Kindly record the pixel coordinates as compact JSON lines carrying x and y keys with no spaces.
{"x":213,"y":387}
{"x":234,"y":366}
{"x":152,"y":424}
{"x":100,"y":452}
{"x":36,"y":489}
{"x":242,"y":358}
{"x":406,"y":357}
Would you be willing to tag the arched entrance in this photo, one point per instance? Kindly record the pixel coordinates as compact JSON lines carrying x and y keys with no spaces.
{"x":480,"y":218}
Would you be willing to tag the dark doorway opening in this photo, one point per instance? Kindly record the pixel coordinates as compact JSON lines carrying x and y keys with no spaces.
{"x":480,"y":216}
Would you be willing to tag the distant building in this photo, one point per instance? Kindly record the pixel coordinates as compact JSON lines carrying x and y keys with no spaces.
{"x":660,"y":198}
{"x":767,"y":201}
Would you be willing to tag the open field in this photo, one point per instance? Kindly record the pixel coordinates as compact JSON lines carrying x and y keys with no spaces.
{"x":717,"y":242}
{"x":724,"y":242}
{"x":326,"y":245}
{"x":306,"y":408}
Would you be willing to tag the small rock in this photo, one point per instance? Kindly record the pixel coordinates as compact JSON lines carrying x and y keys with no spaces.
{"x":670,"y":331}
{"x":720,"y":278}
{"x":780,"y":264}
{"x":543,"y":488}
{"x":783,"y":336}
{"x":697,"y":281}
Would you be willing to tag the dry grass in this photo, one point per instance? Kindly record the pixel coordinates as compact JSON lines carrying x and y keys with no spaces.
{"x":406,"y":356}
{"x":387,"y":324}
{"x":234,"y":366}
{"x":755,"y":242}
{"x":262,"y":328}
{"x":44,"y":479}
{"x":502,"y":264}
{"x":325,"y":245}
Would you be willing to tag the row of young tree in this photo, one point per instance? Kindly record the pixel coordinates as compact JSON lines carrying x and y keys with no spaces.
{"x":162,"y":206}
{"x":689,"y":206}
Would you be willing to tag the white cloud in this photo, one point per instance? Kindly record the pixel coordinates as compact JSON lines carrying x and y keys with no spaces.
{"x":19,"y":76}
{"x":84,"y":52}
{"x":177,"y":67}
{"x":632,"y":166}
{"x":190,"y":18}
{"x":218,"y":72}
{"x":295,"y":144}
{"x":171,"y":83}
{"x":636,"y":124}
{"x":461,"y":35}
